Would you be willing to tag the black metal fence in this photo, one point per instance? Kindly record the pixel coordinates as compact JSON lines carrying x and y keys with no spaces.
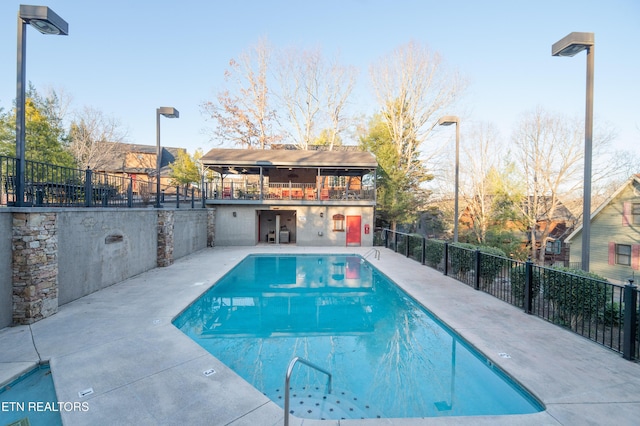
{"x":47,"y":185}
{"x":603,"y":312}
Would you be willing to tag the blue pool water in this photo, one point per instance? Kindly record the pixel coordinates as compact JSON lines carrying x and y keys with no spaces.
{"x":31,"y":396}
{"x":388,"y":356}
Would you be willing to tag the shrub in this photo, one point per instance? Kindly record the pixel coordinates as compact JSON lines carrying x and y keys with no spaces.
{"x":462,"y":257}
{"x":575,"y":294}
{"x":518,"y":283}
{"x":434,"y":252}
{"x":491,"y":265}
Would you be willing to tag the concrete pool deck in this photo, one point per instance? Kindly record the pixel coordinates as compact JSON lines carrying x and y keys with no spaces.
{"x":120,"y":343}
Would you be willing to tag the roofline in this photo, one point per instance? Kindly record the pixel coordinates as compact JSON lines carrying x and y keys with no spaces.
{"x":634,"y":177}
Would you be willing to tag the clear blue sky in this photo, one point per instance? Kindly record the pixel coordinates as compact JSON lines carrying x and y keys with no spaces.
{"x":126,"y":58}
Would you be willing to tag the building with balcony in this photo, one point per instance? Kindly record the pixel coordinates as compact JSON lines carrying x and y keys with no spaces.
{"x":284,"y":196}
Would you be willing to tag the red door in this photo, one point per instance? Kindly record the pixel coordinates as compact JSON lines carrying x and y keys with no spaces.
{"x":354,"y":237}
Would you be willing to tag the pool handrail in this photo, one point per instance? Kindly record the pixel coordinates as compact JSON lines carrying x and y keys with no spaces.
{"x":288,"y":379}
{"x":374,"y":251}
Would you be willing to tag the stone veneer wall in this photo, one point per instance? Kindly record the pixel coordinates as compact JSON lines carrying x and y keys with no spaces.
{"x":35,"y":252}
{"x":35,"y":267}
{"x":166,"y":223}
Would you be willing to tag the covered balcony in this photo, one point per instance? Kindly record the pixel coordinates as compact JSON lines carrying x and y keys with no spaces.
{"x":289,"y":176}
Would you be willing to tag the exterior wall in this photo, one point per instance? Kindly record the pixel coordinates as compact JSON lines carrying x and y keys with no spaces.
{"x":307,"y":228}
{"x":49,"y":257}
{"x":99,"y":248}
{"x":607,"y":227}
{"x":6,"y":299}
{"x":190,"y":232}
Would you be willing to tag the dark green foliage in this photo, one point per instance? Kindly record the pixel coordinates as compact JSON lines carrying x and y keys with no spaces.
{"x":611,"y":315}
{"x":461,"y":257}
{"x":575,"y":294}
{"x":518,"y":277}
{"x":434,"y":252}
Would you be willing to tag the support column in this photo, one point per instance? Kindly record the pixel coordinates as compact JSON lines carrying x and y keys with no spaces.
{"x":211,"y":227}
{"x":166,"y":220}
{"x":35,"y":267}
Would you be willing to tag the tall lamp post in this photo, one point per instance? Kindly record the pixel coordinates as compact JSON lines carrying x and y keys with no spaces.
{"x":447,"y":121}
{"x":168,"y":112}
{"x":570,"y":46}
{"x":46,"y":21}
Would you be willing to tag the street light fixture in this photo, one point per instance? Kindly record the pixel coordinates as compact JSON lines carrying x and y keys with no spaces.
{"x":447,"y":121}
{"x":46,"y":21}
{"x":570,"y":46}
{"x":168,"y":112}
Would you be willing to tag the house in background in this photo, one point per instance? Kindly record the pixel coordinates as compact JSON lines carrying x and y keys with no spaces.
{"x":308,"y":197}
{"x":615,"y":235}
{"x":558,"y":220}
{"x":137,"y":162}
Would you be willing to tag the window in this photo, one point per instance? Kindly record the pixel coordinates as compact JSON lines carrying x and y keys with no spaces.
{"x":630,"y":214}
{"x":554,"y":247}
{"x":635,"y":213}
{"x":338,"y":222}
{"x":623,"y":254}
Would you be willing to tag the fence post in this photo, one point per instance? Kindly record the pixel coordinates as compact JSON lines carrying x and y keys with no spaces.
{"x":395,"y":241}
{"x":630,"y":318}
{"x":406,"y":245}
{"x":88,"y":187}
{"x":424,"y":250}
{"x":130,"y":193}
{"x":528,"y":287}
{"x":478,"y":265}
{"x":446,"y":258}
{"x":177,"y":196}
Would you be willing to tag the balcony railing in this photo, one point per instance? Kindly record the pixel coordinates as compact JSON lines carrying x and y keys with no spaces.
{"x":289,"y":191}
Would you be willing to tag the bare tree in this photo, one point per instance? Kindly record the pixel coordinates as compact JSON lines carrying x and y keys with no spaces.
{"x":89,"y":130}
{"x":339,"y":85}
{"x":481,"y":157}
{"x":300,"y":75}
{"x":244,"y":114}
{"x":413,"y":88}
{"x":549,"y":151}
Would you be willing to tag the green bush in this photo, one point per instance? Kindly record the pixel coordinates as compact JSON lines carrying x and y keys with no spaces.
{"x":434,"y":252}
{"x":490,"y":266}
{"x":518,"y":281}
{"x":575,"y":294}
{"x":462,"y":257}
{"x":611,"y":315}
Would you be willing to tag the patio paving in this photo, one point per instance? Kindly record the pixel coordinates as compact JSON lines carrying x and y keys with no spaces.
{"x":120,"y":343}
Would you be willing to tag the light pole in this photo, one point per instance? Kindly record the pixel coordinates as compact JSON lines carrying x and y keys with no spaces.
{"x":570,"y":46}
{"x":46,"y":21}
{"x":447,"y":121}
{"x":168,"y":112}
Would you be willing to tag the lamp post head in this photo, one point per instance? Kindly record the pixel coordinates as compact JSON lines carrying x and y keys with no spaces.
{"x":43,"y":19}
{"x":168,"y":112}
{"x":448,"y":120}
{"x":572,"y":44}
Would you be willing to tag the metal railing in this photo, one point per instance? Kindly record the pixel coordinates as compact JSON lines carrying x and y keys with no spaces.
{"x":48,"y":185}
{"x":604,"y":312}
{"x":374,"y":251}
{"x":287,"y":380}
{"x":288,"y":191}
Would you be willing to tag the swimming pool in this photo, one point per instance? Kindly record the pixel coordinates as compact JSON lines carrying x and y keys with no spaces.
{"x":30,"y":399}
{"x":387,"y":355}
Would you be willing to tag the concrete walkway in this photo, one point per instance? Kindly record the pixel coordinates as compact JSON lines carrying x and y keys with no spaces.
{"x":120,"y":343}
